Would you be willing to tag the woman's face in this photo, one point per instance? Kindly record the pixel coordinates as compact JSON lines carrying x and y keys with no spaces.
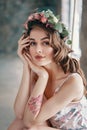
{"x":40,"y":49}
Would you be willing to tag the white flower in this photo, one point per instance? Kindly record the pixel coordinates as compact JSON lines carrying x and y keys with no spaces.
{"x":55,"y":19}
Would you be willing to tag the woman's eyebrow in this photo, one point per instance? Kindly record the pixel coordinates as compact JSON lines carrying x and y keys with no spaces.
{"x":45,"y":38}
{"x":41,"y":38}
{"x":32,"y":39}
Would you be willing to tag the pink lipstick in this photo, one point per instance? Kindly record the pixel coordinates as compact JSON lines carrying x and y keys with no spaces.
{"x":38,"y":57}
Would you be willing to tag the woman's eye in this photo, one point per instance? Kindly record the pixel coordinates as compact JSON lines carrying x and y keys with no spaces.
{"x":46,"y":43}
{"x":32,"y":43}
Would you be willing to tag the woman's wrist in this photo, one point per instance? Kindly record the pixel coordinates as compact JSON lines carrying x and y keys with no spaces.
{"x":25,"y":64}
{"x":26,"y":68}
{"x":44,"y":75}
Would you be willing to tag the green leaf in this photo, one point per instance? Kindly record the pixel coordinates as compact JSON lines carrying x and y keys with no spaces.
{"x":58,"y":26}
{"x":47,"y":15}
{"x":58,"y":17}
{"x":69,"y":42}
{"x":65,"y":33}
{"x":49,"y":11}
{"x":51,"y":21}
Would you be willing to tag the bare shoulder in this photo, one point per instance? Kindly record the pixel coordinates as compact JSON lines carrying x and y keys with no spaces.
{"x":76,"y":80}
{"x":74,"y":83}
{"x":71,"y":90}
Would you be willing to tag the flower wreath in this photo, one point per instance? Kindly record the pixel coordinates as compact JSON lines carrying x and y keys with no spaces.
{"x":50,"y":20}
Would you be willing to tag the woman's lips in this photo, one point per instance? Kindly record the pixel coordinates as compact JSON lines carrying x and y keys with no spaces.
{"x":39,"y":57}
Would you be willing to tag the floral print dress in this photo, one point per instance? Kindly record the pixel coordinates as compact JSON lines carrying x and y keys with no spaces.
{"x":72,"y":117}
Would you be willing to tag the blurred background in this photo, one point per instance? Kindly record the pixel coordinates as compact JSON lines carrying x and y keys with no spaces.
{"x":12,"y":16}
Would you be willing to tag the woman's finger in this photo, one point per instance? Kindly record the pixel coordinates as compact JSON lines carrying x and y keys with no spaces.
{"x":22,"y":39}
{"x":27,"y":59}
{"x":23,"y":48}
{"x":37,"y":69}
{"x":24,"y":45}
{"x":34,"y":67}
{"x":31,"y":64}
{"x":28,"y":56}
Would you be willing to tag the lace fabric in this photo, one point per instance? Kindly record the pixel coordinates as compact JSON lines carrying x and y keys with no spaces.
{"x":73,"y":116}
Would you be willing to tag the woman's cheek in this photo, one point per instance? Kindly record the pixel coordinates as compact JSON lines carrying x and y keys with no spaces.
{"x":50,"y":53}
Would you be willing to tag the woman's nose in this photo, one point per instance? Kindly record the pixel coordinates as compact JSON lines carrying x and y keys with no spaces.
{"x":39,"y":49}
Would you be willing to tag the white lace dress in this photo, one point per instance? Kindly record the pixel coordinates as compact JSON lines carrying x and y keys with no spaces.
{"x":72,"y":117}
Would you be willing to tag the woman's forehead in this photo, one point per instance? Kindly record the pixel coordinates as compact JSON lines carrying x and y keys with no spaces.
{"x":38,"y":32}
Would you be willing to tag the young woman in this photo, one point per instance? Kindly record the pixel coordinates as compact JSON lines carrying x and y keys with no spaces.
{"x":51,"y":94}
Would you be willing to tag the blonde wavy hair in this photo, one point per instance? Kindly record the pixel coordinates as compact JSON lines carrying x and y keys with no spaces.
{"x":61,"y":51}
{"x":61,"y":56}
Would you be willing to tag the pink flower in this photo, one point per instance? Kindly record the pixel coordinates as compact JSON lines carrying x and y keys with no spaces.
{"x":37,"y":16}
{"x":30,"y":18}
{"x":42,"y":14}
{"x":43,"y":19}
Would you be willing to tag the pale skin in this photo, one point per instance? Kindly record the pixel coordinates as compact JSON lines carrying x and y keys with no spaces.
{"x":30,"y":110}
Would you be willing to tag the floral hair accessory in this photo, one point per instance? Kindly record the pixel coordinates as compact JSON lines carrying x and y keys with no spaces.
{"x":51,"y":21}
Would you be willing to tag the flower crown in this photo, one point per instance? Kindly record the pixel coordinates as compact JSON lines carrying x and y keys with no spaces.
{"x":51,"y":21}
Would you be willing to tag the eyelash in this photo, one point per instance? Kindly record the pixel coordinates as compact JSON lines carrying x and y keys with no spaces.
{"x":46,"y":43}
{"x":32,"y":43}
{"x":43,"y":43}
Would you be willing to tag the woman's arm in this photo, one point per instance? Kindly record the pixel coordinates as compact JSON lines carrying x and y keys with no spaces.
{"x":23,"y":93}
{"x":35,"y":101}
{"x":24,"y":90}
{"x":36,"y":98}
{"x":72,"y":89}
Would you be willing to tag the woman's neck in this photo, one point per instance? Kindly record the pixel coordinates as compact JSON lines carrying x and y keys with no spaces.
{"x":55,"y":71}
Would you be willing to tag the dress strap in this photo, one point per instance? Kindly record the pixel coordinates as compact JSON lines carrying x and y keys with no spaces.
{"x":57,"y":89}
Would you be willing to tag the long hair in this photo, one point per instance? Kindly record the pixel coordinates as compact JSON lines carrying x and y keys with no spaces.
{"x":62,"y":57}
{"x":61,"y":50}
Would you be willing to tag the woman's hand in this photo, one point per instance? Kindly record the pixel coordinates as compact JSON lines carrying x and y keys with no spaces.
{"x":23,"y":43}
{"x":40,"y":71}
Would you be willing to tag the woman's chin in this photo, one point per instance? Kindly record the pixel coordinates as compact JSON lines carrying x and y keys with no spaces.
{"x":44,"y":63}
